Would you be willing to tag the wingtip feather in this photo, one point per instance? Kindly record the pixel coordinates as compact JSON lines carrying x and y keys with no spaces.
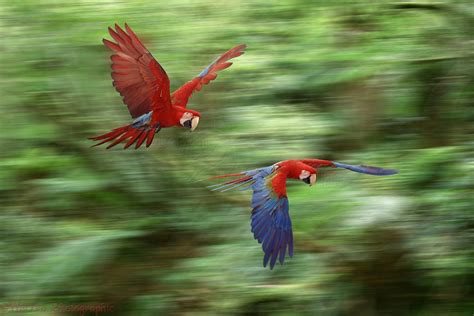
{"x":111,"y":31}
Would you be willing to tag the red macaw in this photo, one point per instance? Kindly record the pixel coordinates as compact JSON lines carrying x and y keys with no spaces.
{"x":271,"y":224}
{"x":145,"y":88}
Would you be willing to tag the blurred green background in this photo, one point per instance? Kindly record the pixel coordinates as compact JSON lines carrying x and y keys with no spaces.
{"x":376,"y":82}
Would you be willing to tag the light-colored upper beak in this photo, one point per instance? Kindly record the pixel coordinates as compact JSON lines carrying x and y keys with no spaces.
{"x":194,"y":123}
{"x":312,"y":179}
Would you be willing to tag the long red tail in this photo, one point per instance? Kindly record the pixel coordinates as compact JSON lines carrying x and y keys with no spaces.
{"x":127,"y":132}
{"x":232,"y":184}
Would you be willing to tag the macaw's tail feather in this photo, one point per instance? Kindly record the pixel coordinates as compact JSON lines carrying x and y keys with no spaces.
{"x":127,"y":133}
{"x":232,"y":184}
{"x":375,"y":171}
{"x":238,"y":174}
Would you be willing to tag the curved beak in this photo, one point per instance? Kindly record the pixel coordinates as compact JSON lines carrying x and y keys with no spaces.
{"x":194,"y":123}
{"x":312,"y":179}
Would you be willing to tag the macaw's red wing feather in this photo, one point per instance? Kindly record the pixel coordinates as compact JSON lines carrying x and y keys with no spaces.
{"x":317,"y":163}
{"x":181,"y":96}
{"x":137,"y":76}
{"x":127,"y":133}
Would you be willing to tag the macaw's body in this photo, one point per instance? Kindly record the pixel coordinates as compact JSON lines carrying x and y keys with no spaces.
{"x":271,"y":223}
{"x":145,"y":88}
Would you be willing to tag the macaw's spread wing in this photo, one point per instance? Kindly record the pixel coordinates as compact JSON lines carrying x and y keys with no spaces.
{"x":181,"y":96}
{"x":271,"y":223}
{"x":375,"y":171}
{"x":137,"y":76}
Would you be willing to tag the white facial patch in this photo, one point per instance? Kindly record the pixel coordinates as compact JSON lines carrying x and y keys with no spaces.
{"x":185,"y":117}
{"x":304,"y":174}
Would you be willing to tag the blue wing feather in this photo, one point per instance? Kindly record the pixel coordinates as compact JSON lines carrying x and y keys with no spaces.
{"x":375,"y":171}
{"x":270,"y":220}
{"x":271,"y":223}
{"x":206,"y":70}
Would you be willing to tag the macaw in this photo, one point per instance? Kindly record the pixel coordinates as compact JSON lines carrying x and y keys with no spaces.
{"x":270,"y":220}
{"x":145,"y":88}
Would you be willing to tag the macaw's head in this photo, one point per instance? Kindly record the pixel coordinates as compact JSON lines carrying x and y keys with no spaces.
{"x":295,"y":169}
{"x":308,"y":176}
{"x":189,"y":118}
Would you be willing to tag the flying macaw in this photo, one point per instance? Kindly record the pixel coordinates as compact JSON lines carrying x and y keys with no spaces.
{"x":145,"y":88}
{"x":270,"y":220}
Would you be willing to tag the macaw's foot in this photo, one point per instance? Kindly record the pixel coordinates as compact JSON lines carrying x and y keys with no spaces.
{"x":156,"y":127}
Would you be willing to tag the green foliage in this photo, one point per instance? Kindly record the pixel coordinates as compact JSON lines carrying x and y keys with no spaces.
{"x":382,"y":83}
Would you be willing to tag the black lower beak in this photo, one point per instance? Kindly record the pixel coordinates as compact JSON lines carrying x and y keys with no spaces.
{"x":187,"y":124}
{"x":306,"y":180}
